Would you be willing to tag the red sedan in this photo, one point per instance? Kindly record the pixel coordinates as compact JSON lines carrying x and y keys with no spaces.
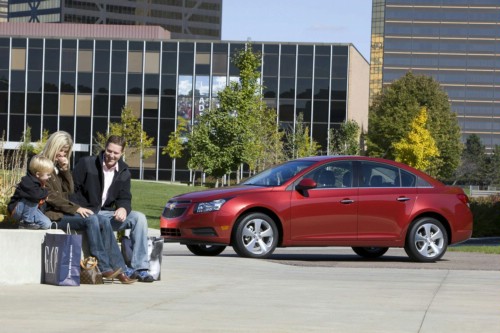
{"x":369,"y":204}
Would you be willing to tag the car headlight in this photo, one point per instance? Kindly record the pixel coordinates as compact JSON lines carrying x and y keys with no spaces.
{"x":211,"y":206}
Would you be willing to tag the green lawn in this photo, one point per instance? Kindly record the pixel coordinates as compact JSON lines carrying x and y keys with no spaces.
{"x":150,"y":198}
{"x":477,"y":249}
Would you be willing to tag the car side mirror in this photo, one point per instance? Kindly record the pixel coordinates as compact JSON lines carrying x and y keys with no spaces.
{"x":304,"y":185}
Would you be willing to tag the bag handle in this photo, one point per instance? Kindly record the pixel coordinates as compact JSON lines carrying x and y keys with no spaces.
{"x":85,"y":262}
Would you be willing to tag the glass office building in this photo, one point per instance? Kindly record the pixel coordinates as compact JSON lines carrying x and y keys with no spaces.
{"x":81,"y":85}
{"x":454,"y":41}
{"x":192,"y":19}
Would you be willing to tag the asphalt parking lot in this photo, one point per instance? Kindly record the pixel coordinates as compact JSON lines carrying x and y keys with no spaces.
{"x":321,"y":290}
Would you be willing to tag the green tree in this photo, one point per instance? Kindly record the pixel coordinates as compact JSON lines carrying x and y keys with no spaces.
{"x":393,"y":111}
{"x":176,"y":139}
{"x":345,"y":139}
{"x":473,"y":165}
{"x":260,"y":133}
{"x":494,"y":174}
{"x":417,"y":148}
{"x":130,"y":128}
{"x":241,"y":129}
{"x":299,"y":142}
{"x":175,"y":145}
{"x":216,"y":144}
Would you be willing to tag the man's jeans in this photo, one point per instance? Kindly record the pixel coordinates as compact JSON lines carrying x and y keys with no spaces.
{"x":101,"y":239}
{"x":136,"y":221}
{"x":28,"y":212}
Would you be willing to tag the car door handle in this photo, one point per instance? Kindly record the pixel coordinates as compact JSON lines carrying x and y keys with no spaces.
{"x":346,"y":201}
{"x":403,"y":199}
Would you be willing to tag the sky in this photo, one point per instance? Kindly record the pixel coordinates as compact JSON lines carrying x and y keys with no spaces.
{"x":318,"y":21}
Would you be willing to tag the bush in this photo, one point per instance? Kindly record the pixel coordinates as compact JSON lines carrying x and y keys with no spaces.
{"x":486,"y":212}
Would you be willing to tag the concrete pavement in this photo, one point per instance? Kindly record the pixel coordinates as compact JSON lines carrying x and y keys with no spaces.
{"x":231,"y":294}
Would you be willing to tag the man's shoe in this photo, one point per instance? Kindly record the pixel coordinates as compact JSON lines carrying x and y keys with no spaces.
{"x":28,"y":226}
{"x":143,"y":276}
{"x":125,"y":279}
{"x":111,"y":275}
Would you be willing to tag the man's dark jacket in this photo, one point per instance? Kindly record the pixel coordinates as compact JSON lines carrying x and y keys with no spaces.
{"x":29,"y":188}
{"x":89,"y":181}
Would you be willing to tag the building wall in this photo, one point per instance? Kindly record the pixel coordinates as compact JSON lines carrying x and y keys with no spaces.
{"x":457,"y":43}
{"x":195,"y":19}
{"x":358,"y":88}
{"x":81,"y":85}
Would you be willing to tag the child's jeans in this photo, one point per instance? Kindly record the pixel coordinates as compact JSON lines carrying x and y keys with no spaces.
{"x":28,"y":212}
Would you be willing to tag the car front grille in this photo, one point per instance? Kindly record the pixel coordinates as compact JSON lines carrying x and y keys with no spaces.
{"x":171,"y":232}
{"x":175,"y":209}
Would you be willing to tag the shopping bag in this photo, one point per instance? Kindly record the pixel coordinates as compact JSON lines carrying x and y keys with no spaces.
{"x":61,"y":259}
{"x":155,"y":253}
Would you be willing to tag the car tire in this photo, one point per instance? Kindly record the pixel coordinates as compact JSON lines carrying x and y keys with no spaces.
{"x":206,"y":250}
{"x":370,"y":252}
{"x":255,"y":236}
{"x":427,"y":240}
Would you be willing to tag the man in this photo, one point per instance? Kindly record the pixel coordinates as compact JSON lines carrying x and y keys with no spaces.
{"x":102,"y":184}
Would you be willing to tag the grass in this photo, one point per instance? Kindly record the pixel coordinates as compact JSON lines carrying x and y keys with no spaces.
{"x":150,"y":198}
{"x":476,"y":249}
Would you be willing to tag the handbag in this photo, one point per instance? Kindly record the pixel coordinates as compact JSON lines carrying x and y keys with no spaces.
{"x":89,"y":272}
{"x":60,"y":259}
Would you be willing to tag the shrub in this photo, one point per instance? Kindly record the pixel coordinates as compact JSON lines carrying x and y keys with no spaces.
{"x":486,"y":212}
{"x":12,"y":168}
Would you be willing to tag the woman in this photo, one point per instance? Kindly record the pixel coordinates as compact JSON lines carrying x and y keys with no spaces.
{"x":61,"y":209}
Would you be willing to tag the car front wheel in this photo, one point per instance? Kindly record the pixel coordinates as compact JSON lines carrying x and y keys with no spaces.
{"x":256,"y":236}
{"x":206,"y":250}
{"x":427,"y":240}
{"x":370,"y":252}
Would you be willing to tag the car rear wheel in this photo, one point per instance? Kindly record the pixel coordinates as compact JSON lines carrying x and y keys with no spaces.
{"x":370,"y":252}
{"x":427,"y":240}
{"x":256,"y":236}
{"x":206,"y":250}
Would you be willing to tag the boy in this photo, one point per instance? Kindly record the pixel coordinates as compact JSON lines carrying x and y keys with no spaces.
{"x":30,"y":194}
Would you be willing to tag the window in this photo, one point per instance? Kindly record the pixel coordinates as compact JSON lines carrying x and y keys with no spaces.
{"x":333,"y":175}
{"x":379,"y":175}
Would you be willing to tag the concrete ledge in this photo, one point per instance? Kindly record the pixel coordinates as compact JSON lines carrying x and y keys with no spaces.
{"x":21,"y":255}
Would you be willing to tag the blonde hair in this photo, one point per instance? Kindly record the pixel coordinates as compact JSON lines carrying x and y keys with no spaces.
{"x":40,"y":163}
{"x":56,"y":142}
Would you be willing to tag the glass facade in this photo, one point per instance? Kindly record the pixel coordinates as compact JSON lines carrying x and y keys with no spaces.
{"x":80,"y":86}
{"x":454,"y":41}
{"x":193,"y":19}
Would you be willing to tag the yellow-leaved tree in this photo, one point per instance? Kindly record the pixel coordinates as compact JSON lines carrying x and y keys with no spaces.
{"x":417,"y":148}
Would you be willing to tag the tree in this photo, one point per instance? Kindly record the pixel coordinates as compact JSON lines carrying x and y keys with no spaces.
{"x":130,"y":128}
{"x":417,"y":148}
{"x":299,"y":142}
{"x":393,"y":111}
{"x":261,"y":137}
{"x":241,"y":129}
{"x":473,"y":165}
{"x":494,"y":174}
{"x":216,"y":144}
{"x":345,"y":140}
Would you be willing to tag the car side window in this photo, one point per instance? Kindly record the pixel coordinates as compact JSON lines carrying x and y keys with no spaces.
{"x":379,"y":175}
{"x":332,"y":175}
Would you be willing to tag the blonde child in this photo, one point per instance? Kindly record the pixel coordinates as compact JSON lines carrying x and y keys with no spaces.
{"x":30,"y":195}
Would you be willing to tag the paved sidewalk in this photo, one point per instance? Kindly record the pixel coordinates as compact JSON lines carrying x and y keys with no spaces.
{"x":231,"y":294}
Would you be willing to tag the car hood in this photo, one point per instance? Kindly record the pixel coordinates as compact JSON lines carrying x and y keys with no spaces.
{"x":224,"y":192}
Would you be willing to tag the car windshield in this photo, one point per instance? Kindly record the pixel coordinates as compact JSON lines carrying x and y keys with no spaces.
{"x":279,"y":174}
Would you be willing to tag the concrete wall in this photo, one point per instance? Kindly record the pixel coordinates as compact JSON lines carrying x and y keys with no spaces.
{"x":21,"y":255}
{"x":358,"y":88}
